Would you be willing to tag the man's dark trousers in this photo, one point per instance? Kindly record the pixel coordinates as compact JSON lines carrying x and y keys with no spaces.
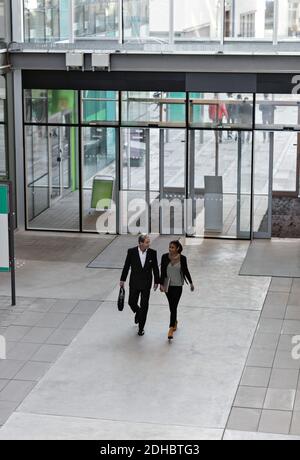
{"x":134,"y":295}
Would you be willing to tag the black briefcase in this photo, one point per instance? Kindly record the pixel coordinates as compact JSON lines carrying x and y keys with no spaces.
{"x":121,"y":299}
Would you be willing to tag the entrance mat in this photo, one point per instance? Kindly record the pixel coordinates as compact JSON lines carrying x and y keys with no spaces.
{"x":75,"y":248}
{"x":285,"y":218}
{"x":114,"y":255}
{"x":278,"y":258}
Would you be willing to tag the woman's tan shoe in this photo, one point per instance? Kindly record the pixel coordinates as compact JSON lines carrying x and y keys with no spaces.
{"x":176,"y":326}
{"x":170,"y":334}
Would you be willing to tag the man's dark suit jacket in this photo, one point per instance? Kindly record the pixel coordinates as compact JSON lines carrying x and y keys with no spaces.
{"x":141,"y":278}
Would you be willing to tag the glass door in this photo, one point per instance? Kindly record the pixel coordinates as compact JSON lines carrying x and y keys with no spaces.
{"x":276,"y":184}
{"x":99,"y":180}
{"x":37,"y":171}
{"x":52,"y":177}
{"x":135,"y":180}
{"x":173,"y":178}
{"x":153,"y":180}
{"x":220,"y":183}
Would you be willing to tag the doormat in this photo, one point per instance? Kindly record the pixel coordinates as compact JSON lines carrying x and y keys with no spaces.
{"x":278,"y":258}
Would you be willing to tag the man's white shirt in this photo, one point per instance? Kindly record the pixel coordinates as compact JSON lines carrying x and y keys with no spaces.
{"x":143,"y":256}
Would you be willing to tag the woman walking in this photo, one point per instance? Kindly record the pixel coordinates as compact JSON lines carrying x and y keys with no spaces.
{"x":174,"y":273}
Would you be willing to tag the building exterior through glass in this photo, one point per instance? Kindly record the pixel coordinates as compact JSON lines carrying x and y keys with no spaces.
{"x":161,"y":20}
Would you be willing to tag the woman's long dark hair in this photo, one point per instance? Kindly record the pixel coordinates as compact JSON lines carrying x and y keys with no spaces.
{"x":178,"y":246}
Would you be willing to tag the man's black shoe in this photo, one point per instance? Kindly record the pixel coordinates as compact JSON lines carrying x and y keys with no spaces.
{"x":141,"y":333}
{"x":136,"y":318}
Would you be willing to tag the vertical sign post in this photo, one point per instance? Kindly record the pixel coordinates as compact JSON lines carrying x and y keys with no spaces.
{"x":7,"y":256}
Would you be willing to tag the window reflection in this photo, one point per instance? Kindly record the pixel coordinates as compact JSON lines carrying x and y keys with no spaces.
{"x":46,"y":20}
{"x":96,"y":18}
{"x":50,"y":106}
{"x":198,"y":19}
{"x":289,"y":24}
{"x":100,"y":106}
{"x":252,"y":19}
{"x":2,"y":21}
{"x":146,"y":19}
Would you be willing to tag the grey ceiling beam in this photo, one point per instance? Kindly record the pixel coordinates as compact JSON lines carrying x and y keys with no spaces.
{"x":134,"y":62}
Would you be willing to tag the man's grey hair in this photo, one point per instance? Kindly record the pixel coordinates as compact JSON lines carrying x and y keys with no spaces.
{"x":143,"y":238}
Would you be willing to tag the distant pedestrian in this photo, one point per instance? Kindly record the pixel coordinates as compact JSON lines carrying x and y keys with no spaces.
{"x":217,"y":112}
{"x":246,"y":117}
{"x":267,"y":109}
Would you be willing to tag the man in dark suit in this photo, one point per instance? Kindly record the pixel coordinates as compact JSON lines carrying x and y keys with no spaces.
{"x":143,"y":262}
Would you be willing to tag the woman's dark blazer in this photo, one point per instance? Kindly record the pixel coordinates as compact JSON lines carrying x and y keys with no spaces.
{"x":165,"y":261}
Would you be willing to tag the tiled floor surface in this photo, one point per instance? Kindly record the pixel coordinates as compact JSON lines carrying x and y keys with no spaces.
{"x":268,"y":398}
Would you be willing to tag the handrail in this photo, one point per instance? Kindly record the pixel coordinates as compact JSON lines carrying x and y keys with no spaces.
{"x":36,"y":180}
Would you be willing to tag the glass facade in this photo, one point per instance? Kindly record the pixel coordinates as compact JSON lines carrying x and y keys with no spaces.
{"x":3,"y":156}
{"x":289,"y":24}
{"x":154,"y":167}
{"x":99,"y":172}
{"x":285,"y":162}
{"x":2,"y":21}
{"x":142,"y":108}
{"x":220,"y":183}
{"x":100,"y":107}
{"x":51,"y":151}
{"x":47,"y":20}
{"x":146,"y":19}
{"x":53,"y":106}
{"x":161,"y":21}
{"x":96,"y":18}
{"x":51,"y":154}
{"x":196,"y":19}
{"x":252,"y":19}
{"x":208,"y":110}
{"x":278,"y":111}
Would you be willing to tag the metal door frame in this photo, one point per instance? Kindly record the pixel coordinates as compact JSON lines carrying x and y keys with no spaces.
{"x":242,"y":234}
{"x":60,"y":166}
{"x":268,"y":234}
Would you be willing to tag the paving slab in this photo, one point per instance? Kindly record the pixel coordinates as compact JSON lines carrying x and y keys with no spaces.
{"x":45,"y":427}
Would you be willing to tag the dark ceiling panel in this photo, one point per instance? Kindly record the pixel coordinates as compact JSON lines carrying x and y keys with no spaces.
{"x":221,"y":82}
{"x":126,"y":81}
{"x":275,"y":83}
{"x":159,"y":81}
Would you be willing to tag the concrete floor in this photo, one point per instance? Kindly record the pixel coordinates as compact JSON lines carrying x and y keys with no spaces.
{"x":111,"y":384}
